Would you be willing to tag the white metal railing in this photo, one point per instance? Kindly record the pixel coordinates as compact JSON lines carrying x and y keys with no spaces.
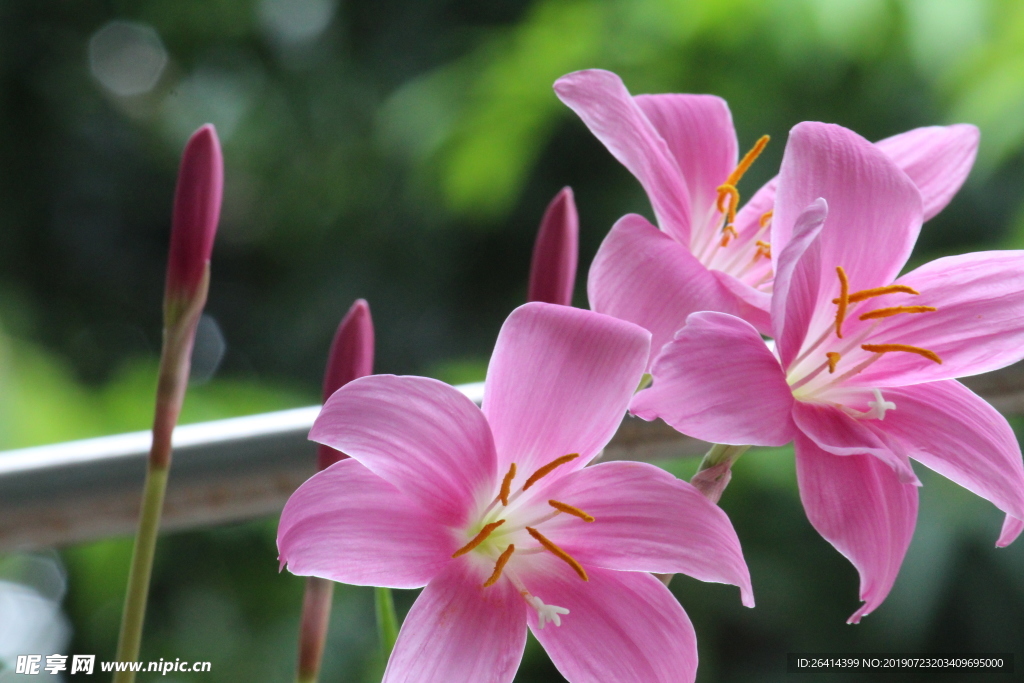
{"x":246,"y":467}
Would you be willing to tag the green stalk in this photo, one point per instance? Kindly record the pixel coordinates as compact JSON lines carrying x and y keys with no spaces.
{"x":316,"y":612}
{"x":715,"y":470}
{"x":180,"y":321}
{"x":387,"y":620}
{"x":141,"y":568}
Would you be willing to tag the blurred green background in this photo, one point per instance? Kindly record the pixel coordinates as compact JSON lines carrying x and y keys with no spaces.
{"x":403,"y":151}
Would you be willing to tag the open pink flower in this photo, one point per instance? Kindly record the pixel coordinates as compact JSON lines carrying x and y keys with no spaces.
{"x":494,"y":512}
{"x":861,"y":375}
{"x":709,"y":253}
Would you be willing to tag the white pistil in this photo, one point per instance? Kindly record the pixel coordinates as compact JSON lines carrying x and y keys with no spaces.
{"x":546,"y":613}
{"x":880,"y":405}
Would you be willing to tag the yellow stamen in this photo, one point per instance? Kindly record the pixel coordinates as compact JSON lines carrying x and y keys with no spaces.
{"x":886,"y":348}
{"x":502,"y":561}
{"x":547,"y":469}
{"x":878,"y":291}
{"x":765,"y":217}
{"x":833,"y":360}
{"x":730,"y":193}
{"x":747,"y":160}
{"x":479,"y":538}
{"x":728,"y":190}
{"x":558,"y":552}
{"x":570,"y":510}
{"x":763,"y":249}
{"x":896,"y":310}
{"x":842,"y":301}
{"x":728,"y":232}
{"x":506,"y":484}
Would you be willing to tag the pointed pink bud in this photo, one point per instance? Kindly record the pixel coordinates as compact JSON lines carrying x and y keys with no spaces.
{"x":351,"y":357}
{"x":553,"y":269}
{"x":196,"y":212}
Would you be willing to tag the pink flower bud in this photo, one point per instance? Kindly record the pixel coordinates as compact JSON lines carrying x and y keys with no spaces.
{"x":553,"y":269}
{"x":196,"y":212}
{"x":351,"y":357}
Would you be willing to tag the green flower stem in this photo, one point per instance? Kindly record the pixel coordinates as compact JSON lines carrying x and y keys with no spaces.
{"x":387,"y":620}
{"x":180,"y":321}
{"x":715,"y":470}
{"x":316,"y":613}
{"x":141,"y":568}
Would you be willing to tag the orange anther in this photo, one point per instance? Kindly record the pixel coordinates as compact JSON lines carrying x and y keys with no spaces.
{"x":886,"y":348}
{"x":506,"y":484}
{"x":502,"y":561}
{"x":547,"y":469}
{"x":479,"y":538}
{"x":833,"y":360}
{"x":558,"y":552}
{"x":842,"y":301}
{"x":765,"y":217}
{"x":763,"y":249}
{"x":878,"y":291}
{"x":896,"y":310}
{"x":570,"y":510}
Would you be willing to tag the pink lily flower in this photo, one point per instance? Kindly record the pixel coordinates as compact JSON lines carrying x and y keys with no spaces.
{"x":556,"y":251}
{"x":494,"y":512}
{"x":709,"y":253}
{"x":861,"y":376}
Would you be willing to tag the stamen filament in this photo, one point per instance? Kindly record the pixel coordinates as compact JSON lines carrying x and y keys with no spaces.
{"x":842,"y":301}
{"x":547,"y":469}
{"x":896,"y":310}
{"x":886,"y":348}
{"x":479,"y":538}
{"x":748,"y":159}
{"x":833,"y":359}
{"x":570,"y":510}
{"x":878,"y":291}
{"x":558,"y":552}
{"x":502,"y":561}
{"x":506,"y":484}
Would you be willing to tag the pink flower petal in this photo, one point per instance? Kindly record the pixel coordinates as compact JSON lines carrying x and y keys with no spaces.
{"x":978,"y":327}
{"x":953,"y":431}
{"x":457,"y":630}
{"x":717,"y":381}
{"x":420,"y":435}
{"x":699,"y":132}
{"x":647,"y":520}
{"x":559,"y":382}
{"x":621,"y":626}
{"x":937,"y":158}
{"x":1011,"y":530}
{"x":859,"y":506}
{"x":642,"y":275}
{"x":556,"y":251}
{"x":613,"y":116}
{"x":347,"y":524}
{"x":793,"y":298}
{"x":837,"y":433}
{"x":874,"y":210}
{"x":751,"y":304}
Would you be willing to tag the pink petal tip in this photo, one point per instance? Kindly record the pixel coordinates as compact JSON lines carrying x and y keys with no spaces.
{"x":197,"y":202}
{"x":351,"y":357}
{"x":555,"y":253}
